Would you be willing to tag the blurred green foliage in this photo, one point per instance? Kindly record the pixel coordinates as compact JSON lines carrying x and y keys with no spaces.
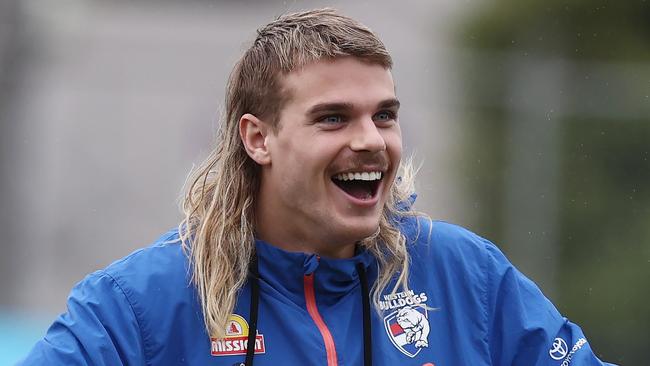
{"x":592,"y":29}
{"x":603,"y":203}
{"x":605,"y":209}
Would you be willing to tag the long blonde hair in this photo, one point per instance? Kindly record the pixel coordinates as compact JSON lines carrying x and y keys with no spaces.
{"x":218,"y":229}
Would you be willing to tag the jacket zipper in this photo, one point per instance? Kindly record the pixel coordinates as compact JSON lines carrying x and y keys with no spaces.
{"x":310,"y":299}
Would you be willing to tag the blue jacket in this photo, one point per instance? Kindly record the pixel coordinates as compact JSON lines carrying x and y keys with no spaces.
{"x":467,"y":306}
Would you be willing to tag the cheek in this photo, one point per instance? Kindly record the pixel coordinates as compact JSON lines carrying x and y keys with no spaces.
{"x":288,"y":156}
{"x":299,"y":167}
{"x":393,"y":140}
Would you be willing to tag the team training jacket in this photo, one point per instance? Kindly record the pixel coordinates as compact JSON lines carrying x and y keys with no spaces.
{"x":466,"y":305}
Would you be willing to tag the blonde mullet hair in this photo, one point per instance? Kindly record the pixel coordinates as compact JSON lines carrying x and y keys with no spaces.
{"x":219,"y":225}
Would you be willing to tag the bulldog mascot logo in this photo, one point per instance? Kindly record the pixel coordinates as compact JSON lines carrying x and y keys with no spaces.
{"x":408,"y":325}
{"x":416,"y":326}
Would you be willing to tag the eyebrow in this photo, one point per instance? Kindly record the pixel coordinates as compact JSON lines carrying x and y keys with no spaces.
{"x":389,"y":103}
{"x":343,"y":106}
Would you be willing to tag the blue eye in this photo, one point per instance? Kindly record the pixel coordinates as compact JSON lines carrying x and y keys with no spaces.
{"x":384,"y":116}
{"x":332,"y":119}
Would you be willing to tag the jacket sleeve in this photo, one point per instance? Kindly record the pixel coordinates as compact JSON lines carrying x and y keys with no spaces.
{"x":99,"y":328}
{"x":524,"y":326}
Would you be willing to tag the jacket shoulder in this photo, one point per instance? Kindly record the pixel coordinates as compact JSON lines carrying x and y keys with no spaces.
{"x":163,"y":261}
{"x":157,"y":283}
{"x":427,"y":236}
{"x":154,"y":275}
{"x":444,"y":252}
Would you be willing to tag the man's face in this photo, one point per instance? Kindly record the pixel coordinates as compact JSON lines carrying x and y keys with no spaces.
{"x":333,"y":157}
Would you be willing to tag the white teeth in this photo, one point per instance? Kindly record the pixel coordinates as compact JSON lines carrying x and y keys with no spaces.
{"x":359,"y":176}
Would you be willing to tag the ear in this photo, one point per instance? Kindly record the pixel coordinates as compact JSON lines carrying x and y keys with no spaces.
{"x":253,"y":132}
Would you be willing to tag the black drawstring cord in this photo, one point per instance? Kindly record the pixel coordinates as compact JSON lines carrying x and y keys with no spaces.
{"x":365,"y":300}
{"x":253,"y":276}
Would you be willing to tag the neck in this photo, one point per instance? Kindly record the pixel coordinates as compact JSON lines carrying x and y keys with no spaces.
{"x":293,"y":235}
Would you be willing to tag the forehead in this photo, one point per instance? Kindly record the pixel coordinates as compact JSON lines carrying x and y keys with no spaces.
{"x":346,"y":79}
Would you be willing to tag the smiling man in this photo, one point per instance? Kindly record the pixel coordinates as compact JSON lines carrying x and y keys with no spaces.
{"x":327,"y":166}
{"x":299,"y":245}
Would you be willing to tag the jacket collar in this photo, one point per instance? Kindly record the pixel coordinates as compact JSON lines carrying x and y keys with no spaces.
{"x":284,"y":273}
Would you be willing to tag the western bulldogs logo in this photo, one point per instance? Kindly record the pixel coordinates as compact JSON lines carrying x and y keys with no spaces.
{"x":408,"y":326}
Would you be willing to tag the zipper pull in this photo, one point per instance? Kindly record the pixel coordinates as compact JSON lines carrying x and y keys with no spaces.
{"x":311,"y":263}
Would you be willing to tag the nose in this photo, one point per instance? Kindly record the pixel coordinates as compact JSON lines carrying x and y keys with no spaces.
{"x":367,"y":137}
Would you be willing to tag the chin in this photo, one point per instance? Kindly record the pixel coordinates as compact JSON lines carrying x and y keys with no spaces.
{"x":357,"y":230}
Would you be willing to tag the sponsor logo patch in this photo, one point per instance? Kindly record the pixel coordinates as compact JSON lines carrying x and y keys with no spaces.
{"x":408,"y":326}
{"x":559,"y":349}
{"x":236,"y":340}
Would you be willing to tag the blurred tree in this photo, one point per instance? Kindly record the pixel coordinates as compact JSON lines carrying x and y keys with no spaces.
{"x":578,"y":29}
{"x":602,"y":204}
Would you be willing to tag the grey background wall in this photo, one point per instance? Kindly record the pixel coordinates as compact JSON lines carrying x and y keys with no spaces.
{"x":107,"y":105}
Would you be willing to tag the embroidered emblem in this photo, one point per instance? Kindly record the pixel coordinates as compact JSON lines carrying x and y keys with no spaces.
{"x":236,"y":340}
{"x":408,"y":326}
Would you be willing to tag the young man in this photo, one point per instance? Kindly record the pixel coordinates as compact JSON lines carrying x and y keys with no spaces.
{"x":299,"y":245}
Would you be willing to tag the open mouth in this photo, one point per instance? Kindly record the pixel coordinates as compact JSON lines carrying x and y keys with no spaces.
{"x":360,"y":185}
